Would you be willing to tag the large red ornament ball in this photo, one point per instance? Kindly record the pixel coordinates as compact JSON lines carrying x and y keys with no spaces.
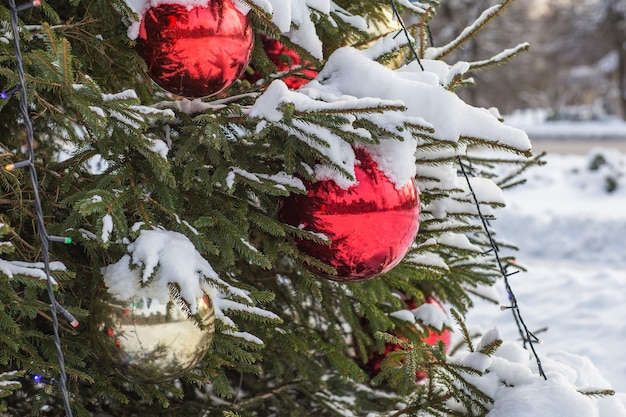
{"x":195,"y":52}
{"x":371,"y":225}
{"x":375,"y":359}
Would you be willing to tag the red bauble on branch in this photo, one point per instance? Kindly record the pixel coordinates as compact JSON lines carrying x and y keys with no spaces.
{"x":375,"y":359}
{"x":285,"y":59}
{"x":195,"y":52}
{"x":371,"y":225}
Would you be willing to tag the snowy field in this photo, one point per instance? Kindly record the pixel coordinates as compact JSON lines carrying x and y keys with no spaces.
{"x":569,"y":222}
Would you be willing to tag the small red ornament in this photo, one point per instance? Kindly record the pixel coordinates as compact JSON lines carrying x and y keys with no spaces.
{"x":371,"y":225}
{"x":375,"y":359}
{"x":195,"y":52}
{"x":285,"y":59}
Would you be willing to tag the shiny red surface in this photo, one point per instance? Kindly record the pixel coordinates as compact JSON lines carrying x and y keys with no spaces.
{"x":198,"y":52}
{"x":375,"y":359}
{"x":285,"y":59}
{"x":371,"y":225}
{"x":433,"y":337}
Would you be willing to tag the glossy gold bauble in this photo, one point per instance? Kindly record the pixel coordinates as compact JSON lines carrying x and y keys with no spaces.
{"x":148,"y":341}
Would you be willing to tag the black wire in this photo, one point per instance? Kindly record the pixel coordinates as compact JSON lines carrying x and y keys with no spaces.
{"x":526,"y":335}
{"x":406,"y":33}
{"x":41,"y":227}
{"x":430,"y":35}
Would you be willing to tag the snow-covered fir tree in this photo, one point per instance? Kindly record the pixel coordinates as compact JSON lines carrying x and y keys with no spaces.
{"x":201,"y":267}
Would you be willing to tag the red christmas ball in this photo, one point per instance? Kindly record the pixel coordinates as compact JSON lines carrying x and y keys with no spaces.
{"x":433,"y":337}
{"x":375,"y":359}
{"x":285,"y":59}
{"x":371,"y":225}
{"x":195,"y":52}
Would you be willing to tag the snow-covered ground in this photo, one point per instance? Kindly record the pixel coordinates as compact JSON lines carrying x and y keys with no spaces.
{"x":534,"y":122}
{"x":569,"y":222}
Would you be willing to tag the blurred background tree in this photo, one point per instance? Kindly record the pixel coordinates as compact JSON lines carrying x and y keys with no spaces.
{"x":576,"y":67}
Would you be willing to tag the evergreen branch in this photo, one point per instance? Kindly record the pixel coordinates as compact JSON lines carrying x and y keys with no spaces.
{"x":501,"y":58}
{"x":40,"y":306}
{"x":457,"y":81}
{"x":424,"y":30}
{"x":473,"y":397}
{"x":468,"y":33}
{"x":508,"y":181}
{"x":466,"y":334}
{"x":597,"y":392}
{"x":77,"y":159}
{"x":68,"y":75}
{"x":490,"y":348}
{"x":334,"y":109}
{"x":481,"y":295}
{"x":495,"y":145}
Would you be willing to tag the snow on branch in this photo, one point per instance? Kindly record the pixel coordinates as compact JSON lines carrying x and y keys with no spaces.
{"x":500,"y":58}
{"x":386,"y":45}
{"x":424,"y":99}
{"x":466,"y":34}
{"x":121,"y":106}
{"x":281,"y":179}
{"x":9,"y":382}
{"x":509,"y":377}
{"x":403,"y":104}
{"x":278,"y":104}
{"x":347,"y":17}
{"x":423,"y":95}
{"x":415,"y":6}
{"x":29,"y":269}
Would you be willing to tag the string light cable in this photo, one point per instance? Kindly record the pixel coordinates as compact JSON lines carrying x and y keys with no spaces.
{"x":56,"y":308}
{"x":396,"y":13}
{"x":529,"y":339}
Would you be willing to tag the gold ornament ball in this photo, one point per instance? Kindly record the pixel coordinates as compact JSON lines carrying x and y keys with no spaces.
{"x":148,"y":341}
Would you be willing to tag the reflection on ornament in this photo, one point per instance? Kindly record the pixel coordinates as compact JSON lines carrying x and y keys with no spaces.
{"x":371,"y":225}
{"x":196,"y":52}
{"x":148,"y":341}
{"x":375,"y":359}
